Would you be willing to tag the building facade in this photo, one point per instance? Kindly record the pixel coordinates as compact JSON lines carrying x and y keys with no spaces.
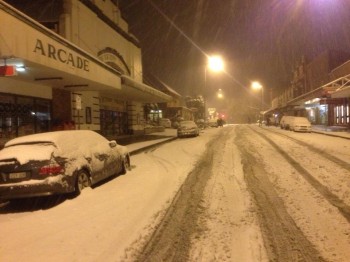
{"x":319,"y":91}
{"x":75,"y":66}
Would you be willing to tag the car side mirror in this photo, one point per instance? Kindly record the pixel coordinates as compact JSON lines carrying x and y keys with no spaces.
{"x":112,"y":143}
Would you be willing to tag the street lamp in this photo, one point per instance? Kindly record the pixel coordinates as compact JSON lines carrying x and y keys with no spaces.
{"x":256,"y":86}
{"x":220,"y":94}
{"x":216,"y":64}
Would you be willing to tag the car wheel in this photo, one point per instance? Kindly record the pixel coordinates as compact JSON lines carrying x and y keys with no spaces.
{"x":126,"y":165}
{"x":82,"y":181}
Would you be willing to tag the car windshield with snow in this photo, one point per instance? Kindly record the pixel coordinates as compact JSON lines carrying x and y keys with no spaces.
{"x":58,"y":162}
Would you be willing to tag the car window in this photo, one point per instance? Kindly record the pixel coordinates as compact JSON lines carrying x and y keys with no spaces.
{"x":28,"y":152}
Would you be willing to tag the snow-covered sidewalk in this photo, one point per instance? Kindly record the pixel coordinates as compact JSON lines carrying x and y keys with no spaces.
{"x":331,"y":131}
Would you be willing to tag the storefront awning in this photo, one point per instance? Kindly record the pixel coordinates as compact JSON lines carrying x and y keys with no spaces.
{"x":142,"y":92}
{"x":323,"y":91}
{"x":342,"y":93}
{"x":342,"y":87}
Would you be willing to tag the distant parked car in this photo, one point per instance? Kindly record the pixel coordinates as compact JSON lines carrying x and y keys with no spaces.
{"x":58,"y":162}
{"x":165,"y":122}
{"x":212,"y":123}
{"x":285,"y":122}
{"x":200,"y":123}
{"x":301,"y":124}
{"x":187,"y":128}
{"x":175,"y":121}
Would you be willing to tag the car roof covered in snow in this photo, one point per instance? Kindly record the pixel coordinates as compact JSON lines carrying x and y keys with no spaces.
{"x":70,"y":143}
{"x":59,"y":138}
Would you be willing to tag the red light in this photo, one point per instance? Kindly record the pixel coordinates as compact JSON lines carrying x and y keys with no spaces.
{"x":8,"y":71}
{"x":50,"y":170}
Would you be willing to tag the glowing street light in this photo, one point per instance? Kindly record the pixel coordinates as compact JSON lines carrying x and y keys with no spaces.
{"x":256,"y":86}
{"x":216,"y":64}
{"x":220,"y":94}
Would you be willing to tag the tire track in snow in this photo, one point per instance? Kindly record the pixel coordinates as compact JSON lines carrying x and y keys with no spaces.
{"x":284,"y":241}
{"x":325,"y":154}
{"x":323,"y":190}
{"x":231,"y":229}
{"x":171,"y":240}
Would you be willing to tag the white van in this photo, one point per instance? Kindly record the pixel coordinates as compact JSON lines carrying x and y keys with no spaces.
{"x":301,"y":124}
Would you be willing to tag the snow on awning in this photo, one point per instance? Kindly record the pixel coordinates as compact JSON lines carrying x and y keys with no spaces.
{"x":342,"y":86}
{"x":342,"y":93}
{"x":142,"y":92}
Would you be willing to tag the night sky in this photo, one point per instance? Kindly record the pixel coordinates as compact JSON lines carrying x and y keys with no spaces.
{"x":258,"y":39}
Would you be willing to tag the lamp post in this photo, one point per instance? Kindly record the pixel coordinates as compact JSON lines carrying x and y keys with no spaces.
{"x":215,"y":64}
{"x":256,"y":86}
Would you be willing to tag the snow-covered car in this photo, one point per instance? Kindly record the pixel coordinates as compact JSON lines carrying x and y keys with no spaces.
{"x":285,"y":122}
{"x":300,"y":124}
{"x":200,"y":123}
{"x":187,"y":128}
{"x":165,"y":122}
{"x":212,"y":123}
{"x":58,"y":162}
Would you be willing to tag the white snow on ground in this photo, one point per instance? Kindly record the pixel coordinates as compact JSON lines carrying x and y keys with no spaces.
{"x":320,"y":221}
{"x":111,"y":221}
{"x":231,"y":228}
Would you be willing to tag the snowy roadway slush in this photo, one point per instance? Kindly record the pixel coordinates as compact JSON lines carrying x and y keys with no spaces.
{"x":238,"y":193}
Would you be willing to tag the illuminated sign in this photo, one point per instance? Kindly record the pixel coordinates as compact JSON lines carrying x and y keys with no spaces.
{"x":61,"y":55}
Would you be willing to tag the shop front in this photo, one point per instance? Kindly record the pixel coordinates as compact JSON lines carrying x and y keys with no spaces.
{"x":54,"y":84}
{"x":113,"y":117}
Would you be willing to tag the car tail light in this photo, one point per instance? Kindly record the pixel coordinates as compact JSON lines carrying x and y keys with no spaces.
{"x":51,"y":170}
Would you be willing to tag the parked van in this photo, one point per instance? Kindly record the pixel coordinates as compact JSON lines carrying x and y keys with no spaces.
{"x":285,"y":122}
{"x":301,"y":124}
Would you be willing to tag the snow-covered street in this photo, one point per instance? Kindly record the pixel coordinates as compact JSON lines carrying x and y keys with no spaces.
{"x":268,"y":195}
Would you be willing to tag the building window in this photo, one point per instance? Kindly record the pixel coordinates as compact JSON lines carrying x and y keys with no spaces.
{"x":113,"y":123}
{"x":21,"y":115}
{"x":341,"y":114}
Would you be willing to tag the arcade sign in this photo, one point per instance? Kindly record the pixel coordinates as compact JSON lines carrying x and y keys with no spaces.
{"x":64,"y":56}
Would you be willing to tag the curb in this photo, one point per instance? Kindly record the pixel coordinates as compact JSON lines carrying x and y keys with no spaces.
{"x":330,"y":134}
{"x":140,"y":150}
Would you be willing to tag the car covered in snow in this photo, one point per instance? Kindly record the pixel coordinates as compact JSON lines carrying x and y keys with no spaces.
{"x":300,"y":124}
{"x":212,"y":123}
{"x":285,"y":122}
{"x":165,"y":122}
{"x":58,"y":162}
{"x":187,"y":128}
